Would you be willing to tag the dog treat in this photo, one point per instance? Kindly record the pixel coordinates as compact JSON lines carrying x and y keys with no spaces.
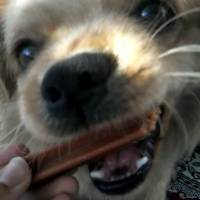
{"x":91,"y":145}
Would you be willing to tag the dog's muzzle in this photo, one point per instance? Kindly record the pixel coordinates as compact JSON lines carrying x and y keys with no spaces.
{"x":76,"y":84}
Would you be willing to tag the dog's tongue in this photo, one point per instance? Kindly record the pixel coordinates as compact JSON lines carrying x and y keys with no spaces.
{"x":121,"y":159}
{"x":126,"y":161}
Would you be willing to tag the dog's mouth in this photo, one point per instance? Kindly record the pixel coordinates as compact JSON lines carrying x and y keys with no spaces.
{"x":122,"y":171}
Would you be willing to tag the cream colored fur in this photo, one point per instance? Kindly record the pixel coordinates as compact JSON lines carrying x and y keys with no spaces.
{"x":68,"y":27}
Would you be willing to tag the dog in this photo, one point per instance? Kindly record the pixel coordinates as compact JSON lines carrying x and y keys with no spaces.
{"x":72,"y":65}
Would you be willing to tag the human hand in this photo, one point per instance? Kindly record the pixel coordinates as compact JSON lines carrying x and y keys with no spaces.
{"x":15,"y":179}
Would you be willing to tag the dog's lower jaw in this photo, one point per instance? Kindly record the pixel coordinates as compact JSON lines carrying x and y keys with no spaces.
{"x":155,"y":185}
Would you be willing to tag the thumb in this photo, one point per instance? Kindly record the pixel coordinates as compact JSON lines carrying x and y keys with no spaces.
{"x":15,"y":178}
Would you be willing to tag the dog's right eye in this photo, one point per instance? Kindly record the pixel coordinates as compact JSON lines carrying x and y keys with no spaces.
{"x":25,"y":53}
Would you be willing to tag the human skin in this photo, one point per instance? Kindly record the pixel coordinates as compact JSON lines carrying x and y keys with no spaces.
{"x":15,"y":178}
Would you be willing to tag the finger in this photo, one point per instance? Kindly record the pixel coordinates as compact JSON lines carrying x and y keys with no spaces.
{"x":8,"y":152}
{"x":15,"y":178}
{"x":62,"y":185}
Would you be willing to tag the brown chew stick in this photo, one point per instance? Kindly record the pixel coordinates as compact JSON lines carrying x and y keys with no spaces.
{"x":91,"y":145}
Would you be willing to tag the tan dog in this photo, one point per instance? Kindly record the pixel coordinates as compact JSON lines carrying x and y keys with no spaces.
{"x":74,"y":64}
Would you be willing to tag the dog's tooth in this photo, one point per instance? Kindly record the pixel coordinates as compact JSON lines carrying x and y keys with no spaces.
{"x":142,"y":162}
{"x":123,"y":177}
{"x":128,"y":174}
{"x":113,"y":179}
{"x":97,"y":174}
{"x":119,"y":178}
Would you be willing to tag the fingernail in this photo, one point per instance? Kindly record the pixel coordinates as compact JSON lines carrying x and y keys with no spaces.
{"x":15,"y":172}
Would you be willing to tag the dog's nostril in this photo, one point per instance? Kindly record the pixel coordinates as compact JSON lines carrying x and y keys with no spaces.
{"x":85,"y":81}
{"x":53,"y":95}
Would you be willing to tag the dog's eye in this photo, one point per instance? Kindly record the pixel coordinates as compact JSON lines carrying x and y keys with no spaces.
{"x":154,"y":12}
{"x":25,"y":53}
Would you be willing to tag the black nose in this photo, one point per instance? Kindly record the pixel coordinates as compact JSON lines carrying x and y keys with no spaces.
{"x":76,"y":82}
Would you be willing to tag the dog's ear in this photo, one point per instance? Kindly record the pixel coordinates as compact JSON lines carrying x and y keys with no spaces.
{"x":7,"y":78}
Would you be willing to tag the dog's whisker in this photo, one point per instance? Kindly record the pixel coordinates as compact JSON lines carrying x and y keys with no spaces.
{"x":193,"y":48}
{"x":185,"y":77}
{"x":195,"y":75}
{"x":18,"y":133}
{"x":152,"y":26}
{"x":11,"y":132}
{"x":7,"y":104}
{"x":188,"y":12}
{"x":179,"y":120}
{"x":30,"y":141}
{"x":59,"y":150}
{"x":161,"y":126}
{"x":195,"y":97}
{"x":112,"y":63}
{"x":12,"y":135}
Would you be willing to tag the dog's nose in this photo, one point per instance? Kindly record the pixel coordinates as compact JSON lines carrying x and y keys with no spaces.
{"x":76,"y":82}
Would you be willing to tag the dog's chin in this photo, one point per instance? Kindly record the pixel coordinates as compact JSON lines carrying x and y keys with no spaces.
{"x":121,"y":172}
